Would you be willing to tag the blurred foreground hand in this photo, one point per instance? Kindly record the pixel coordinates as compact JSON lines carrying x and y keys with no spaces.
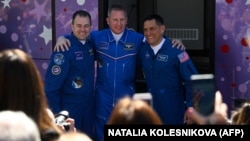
{"x":219,"y":116}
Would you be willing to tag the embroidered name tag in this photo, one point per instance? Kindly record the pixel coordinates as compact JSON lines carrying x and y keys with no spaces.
{"x":79,"y":55}
{"x":104,"y":45}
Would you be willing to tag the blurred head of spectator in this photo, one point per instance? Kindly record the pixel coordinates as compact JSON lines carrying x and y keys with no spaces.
{"x":128,"y":111}
{"x":244,"y":114}
{"x":22,"y":88}
{"x":17,"y":126}
{"x":234,"y":117}
{"x":74,"y":136}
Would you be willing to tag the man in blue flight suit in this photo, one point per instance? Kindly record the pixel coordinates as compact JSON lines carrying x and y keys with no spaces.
{"x":69,"y":80}
{"x":167,"y":72}
{"x":116,"y":50}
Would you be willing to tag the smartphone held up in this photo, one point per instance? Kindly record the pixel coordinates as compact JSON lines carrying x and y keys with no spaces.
{"x":203,"y":93}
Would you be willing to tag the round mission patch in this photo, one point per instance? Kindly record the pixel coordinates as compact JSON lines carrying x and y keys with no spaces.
{"x":56,"y":70}
{"x":59,"y":59}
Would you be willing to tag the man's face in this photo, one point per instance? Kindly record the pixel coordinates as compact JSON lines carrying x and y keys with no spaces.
{"x":117,"y":21}
{"x":81,"y":27}
{"x":153,"y":32}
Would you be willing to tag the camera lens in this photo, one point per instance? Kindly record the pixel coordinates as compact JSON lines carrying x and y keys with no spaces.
{"x":66,"y":126}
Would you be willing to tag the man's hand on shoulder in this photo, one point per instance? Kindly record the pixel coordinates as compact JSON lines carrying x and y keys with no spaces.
{"x":62,"y":44}
{"x":178,"y":44}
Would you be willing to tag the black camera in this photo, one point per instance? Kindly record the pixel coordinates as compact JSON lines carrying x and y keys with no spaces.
{"x":60,"y":119}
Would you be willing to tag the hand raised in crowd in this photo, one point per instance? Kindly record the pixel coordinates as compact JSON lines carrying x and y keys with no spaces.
{"x":219,"y":116}
{"x":70,"y":122}
{"x":197,"y":95}
{"x":70,"y":125}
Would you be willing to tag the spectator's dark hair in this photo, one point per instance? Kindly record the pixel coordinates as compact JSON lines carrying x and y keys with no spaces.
{"x":118,"y":7}
{"x":129,"y":111}
{"x":22,"y":89}
{"x":158,"y":19}
{"x":81,"y":13}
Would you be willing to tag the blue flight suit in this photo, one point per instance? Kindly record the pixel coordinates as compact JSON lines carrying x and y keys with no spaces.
{"x":69,"y":83}
{"x":116,"y":69}
{"x":167,"y":75}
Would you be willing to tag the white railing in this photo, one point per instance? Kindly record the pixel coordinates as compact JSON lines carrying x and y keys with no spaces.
{"x":183,"y":34}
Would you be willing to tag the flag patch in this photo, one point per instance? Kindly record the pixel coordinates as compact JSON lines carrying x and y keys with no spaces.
{"x":183,"y":57}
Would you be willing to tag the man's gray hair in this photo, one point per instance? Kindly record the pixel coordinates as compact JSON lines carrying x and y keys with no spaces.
{"x":17,"y":126}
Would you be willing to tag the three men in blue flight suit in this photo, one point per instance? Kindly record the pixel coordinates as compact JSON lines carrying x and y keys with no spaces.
{"x":116,"y":51}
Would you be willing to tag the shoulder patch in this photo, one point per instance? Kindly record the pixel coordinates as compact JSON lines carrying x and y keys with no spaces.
{"x":59,"y":59}
{"x":56,"y":69}
{"x":183,"y":57}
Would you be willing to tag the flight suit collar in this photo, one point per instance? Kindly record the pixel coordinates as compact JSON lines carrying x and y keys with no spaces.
{"x":123,"y":38}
